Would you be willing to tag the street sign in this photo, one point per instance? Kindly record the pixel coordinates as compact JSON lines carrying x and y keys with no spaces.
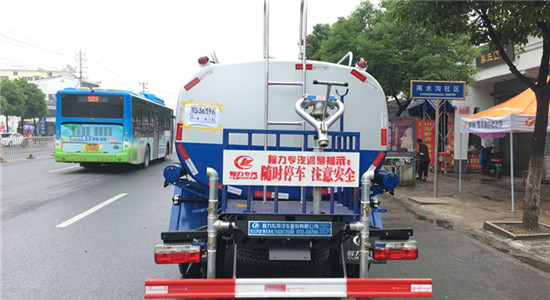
{"x":441,"y":90}
{"x":42,"y":128}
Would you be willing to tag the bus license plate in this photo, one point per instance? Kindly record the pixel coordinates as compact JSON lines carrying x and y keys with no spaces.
{"x":285,"y":228}
{"x":92,"y":147}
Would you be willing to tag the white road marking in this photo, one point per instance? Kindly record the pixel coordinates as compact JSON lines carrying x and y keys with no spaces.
{"x":90,"y":211}
{"x":62,"y":169}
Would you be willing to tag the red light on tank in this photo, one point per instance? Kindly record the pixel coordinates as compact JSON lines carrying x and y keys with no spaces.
{"x":203,"y":60}
{"x":361,"y":64}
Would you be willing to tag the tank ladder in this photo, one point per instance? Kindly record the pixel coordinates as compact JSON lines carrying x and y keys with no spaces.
{"x":302,"y":56}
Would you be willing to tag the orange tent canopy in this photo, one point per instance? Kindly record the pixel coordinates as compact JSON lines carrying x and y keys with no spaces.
{"x":516,"y":114}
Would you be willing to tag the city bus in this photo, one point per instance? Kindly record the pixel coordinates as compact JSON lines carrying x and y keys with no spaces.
{"x":95,"y":127}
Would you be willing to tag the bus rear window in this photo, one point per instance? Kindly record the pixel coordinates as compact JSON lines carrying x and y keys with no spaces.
{"x":92,"y":106}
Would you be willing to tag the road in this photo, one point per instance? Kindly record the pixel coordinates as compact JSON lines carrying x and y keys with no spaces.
{"x":107,"y":252}
{"x":105,"y":255}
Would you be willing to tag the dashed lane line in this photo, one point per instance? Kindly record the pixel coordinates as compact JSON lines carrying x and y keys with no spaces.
{"x":63,"y":169}
{"x":90,"y":211}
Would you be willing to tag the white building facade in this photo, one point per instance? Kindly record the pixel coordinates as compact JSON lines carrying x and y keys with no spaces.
{"x":49,"y":86}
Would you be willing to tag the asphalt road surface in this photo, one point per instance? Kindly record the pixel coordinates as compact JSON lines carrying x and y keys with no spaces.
{"x":73,"y":233}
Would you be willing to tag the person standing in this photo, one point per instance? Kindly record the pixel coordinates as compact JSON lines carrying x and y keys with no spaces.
{"x":423,"y":160}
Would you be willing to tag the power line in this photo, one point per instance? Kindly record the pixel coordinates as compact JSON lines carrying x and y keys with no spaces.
{"x":143,"y":87}
{"x":80,"y":59}
{"x":17,"y":39}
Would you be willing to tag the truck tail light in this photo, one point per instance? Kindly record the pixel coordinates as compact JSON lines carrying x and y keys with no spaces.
{"x":395,"y":250}
{"x":177,"y":254}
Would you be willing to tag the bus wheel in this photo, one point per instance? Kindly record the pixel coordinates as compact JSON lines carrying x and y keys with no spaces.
{"x":166,"y":151}
{"x":90,"y":165}
{"x":145,"y":163}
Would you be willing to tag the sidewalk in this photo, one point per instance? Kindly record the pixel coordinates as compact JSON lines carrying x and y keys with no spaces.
{"x":483,"y":198}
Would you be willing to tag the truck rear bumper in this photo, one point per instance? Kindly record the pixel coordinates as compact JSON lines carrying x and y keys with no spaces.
{"x":287,"y":288}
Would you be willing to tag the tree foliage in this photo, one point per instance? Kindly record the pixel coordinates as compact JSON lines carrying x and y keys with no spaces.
{"x":398,"y":53}
{"x":314,"y":40}
{"x":35,"y":106}
{"x":497,"y":23}
{"x":21,"y":98}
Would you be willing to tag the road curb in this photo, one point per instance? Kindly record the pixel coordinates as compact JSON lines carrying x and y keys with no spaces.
{"x":480,"y":235}
{"x":26,"y":158}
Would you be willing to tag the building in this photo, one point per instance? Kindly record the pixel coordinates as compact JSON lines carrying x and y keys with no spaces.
{"x":49,"y":82}
{"x":49,"y":86}
{"x":496,"y":84}
{"x":32,"y":75}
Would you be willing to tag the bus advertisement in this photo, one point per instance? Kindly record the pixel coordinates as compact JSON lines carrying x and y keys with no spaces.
{"x":95,"y":127}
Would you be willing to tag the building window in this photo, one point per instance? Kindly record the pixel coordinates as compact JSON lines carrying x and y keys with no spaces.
{"x":15,"y":73}
{"x":4,"y":77}
{"x":49,"y":74}
{"x":36,"y":78}
{"x":28,"y":78}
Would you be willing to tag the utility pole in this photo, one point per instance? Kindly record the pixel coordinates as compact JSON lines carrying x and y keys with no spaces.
{"x":80,"y":57}
{"x":143,"y":87}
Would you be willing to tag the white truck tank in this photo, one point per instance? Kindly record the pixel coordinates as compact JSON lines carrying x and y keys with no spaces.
{"x":232,"y":96}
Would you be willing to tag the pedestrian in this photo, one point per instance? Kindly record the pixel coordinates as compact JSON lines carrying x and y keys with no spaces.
{"x":423,"y":160}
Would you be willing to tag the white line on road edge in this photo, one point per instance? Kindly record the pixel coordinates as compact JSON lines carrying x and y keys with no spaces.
{"x":90,"y":211}
{"x":62,"y":169}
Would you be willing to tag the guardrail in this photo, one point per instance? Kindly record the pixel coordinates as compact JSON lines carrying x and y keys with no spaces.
{"x":30,"y":147}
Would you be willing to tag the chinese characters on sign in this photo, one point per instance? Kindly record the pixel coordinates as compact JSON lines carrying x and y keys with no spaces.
{"x":443,"y":90}
{"x":491,"y":57}
{"x":283,"y":228}
{"x":291,"y":168}
{"x":484,"y":124}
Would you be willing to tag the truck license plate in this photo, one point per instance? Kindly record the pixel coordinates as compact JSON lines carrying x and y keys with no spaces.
{"x":92,"y":147}
{"x":287,"y":228}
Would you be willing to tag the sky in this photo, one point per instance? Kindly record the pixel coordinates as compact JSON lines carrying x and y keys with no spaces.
{"x":127,"y":42}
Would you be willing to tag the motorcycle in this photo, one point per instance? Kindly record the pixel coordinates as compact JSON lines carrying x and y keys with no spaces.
{"x":491,"y":162}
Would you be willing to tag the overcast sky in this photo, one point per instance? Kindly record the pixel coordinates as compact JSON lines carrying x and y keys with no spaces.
{"x":126,"y":42}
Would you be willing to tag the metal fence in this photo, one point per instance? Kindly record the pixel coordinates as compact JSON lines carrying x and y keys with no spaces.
{"x":30,"y":147}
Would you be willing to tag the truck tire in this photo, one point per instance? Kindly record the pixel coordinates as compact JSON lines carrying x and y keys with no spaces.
{"x":195,"y":270}
{"x":260,"y":257}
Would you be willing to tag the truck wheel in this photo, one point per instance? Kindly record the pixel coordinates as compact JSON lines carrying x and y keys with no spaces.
{"x":192,"y":270}
{"x":146,"y":158}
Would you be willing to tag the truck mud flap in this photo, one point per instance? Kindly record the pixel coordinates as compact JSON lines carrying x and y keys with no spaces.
{"x":287,"y":288}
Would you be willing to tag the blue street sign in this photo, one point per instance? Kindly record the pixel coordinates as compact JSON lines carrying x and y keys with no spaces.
{"x":42,"y":128}
{"x":442,"y":90}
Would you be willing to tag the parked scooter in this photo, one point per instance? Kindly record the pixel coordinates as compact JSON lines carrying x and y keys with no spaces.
{"x":491,"y":162}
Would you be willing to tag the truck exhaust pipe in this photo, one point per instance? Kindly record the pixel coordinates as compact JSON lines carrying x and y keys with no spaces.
{"x":366,"y":182}
{"x":211,"y":242}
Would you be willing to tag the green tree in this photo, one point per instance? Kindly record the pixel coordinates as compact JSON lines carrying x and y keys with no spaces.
{"x":497,"y":23}
{"x":398,"y":53}
{"x":13,"y":102}
{"x":346,"y":34}
{"x":319,"y":34}
{"x":35,"y":104}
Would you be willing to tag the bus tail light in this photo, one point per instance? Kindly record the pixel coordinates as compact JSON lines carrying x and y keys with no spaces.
{"x":177,"y":254}
{"x":395,"y":250}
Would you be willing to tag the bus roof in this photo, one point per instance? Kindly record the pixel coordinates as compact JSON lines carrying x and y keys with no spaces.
{"x":146,"y":96}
